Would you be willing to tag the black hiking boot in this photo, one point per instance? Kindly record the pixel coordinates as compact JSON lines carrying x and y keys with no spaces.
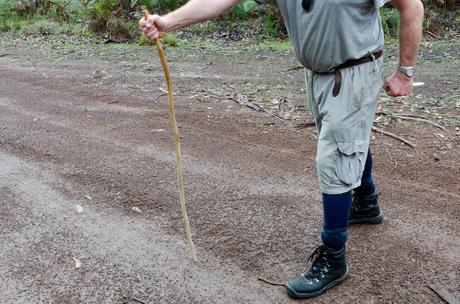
{"x":365,"y":210}
{"x":327,"y":270}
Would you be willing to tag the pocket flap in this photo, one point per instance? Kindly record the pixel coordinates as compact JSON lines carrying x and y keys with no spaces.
{"x":350,"y":148}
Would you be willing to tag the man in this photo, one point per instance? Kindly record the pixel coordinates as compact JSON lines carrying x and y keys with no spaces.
{"x":340,"y":44}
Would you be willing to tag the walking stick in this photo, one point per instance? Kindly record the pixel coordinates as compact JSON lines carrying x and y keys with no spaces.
{"x":175,"y":129}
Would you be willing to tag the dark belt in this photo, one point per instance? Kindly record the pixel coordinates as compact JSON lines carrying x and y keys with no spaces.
{"x":348,"y":64}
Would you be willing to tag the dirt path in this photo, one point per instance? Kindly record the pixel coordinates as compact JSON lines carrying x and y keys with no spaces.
{"x":68,"y":131}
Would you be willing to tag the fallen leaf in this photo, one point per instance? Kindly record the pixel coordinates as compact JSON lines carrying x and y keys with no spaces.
{"x":79,"y":208}
{"x":136,"y":209}
{"x":77,"y":263}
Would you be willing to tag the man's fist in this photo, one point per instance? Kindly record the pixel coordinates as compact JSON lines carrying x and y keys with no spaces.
{"x":398,"y":84}
{"x":154,"y":27}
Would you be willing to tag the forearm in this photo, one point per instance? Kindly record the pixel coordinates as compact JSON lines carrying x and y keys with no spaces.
{"x":410,"y":31}
{"x":196,"y":11}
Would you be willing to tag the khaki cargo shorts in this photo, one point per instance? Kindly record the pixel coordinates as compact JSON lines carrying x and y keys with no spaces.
{"x":344,"y":123}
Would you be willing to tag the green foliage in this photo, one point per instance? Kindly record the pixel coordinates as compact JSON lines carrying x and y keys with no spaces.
{"x":273,"y":22}
{"x":118,"y":18}
{"x":39,"y":28}
{"x":57,"y":10}
{"x":145,"y":41}
{"x":10,"y":21}
{"x":161,"y":6}
{"x":169,"y":40}
{"x":390,"y":22}
{"x":244,"y":9}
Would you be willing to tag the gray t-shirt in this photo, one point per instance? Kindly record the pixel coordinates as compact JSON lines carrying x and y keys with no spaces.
{"x":333,"y":32}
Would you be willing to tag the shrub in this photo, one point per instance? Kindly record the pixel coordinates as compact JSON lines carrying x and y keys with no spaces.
{"x":390,"y":22}
{"x":244,"y":9}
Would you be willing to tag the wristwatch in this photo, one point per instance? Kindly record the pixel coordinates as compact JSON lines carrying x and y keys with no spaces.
{"x":408,"y":71}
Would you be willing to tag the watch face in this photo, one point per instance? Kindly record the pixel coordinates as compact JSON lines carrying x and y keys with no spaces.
{"x":408,"y":71}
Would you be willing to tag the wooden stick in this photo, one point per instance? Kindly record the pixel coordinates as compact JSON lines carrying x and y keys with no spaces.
{"x":270,"y":282}
{"x":172,"y":116}
{"x":378,"y":130}
{"x":414,"y":118}
{"x":430,"y":122}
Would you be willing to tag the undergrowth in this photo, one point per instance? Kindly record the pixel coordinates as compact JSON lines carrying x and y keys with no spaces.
{"x":118,"y":19}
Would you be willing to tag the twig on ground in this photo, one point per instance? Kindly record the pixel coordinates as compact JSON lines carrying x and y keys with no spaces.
{"x":401,"y":114}
{"x":432,"y":34}
{"x":422,"y":120}
{"x":438,"y":137}
{"x":378,"y":130}
{"x":253,"y":106}
{"x":294,"y":69}
{"x":4,"y":55}
{"x":270,"y":282}
{"x":414,"y":118}
{"x":391,"y":158}
{"x":305,"y":125}
{"x":131,"y":299}
{"x":444,"y":294}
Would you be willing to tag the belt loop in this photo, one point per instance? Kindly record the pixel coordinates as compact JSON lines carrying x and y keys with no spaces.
{"x":374,"y":61}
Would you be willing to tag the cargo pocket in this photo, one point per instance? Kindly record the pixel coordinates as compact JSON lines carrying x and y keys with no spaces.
{"x":351,"y":161}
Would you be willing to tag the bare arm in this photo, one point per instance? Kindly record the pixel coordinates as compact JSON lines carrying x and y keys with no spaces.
{"x":194,"y":11}
{"x":410,"y":37}
{"x":410,"y":29}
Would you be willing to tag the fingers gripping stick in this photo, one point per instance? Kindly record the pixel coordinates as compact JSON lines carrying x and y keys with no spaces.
{"x":172,"y":117}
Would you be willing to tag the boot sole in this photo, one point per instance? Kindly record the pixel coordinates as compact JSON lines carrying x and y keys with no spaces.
{"x":299,"y":295}
{"x":367,"y":220}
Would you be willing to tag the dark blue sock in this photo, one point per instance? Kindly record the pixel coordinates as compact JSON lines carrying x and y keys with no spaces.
{"x":367,"y":181}
{"x":335,"y":227}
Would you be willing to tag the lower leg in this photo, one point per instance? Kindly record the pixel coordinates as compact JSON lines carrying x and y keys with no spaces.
{"x":367,"y":181}
{"x":328,"y":261}
{"x":336,"y":212}
{"x":365,"y":207}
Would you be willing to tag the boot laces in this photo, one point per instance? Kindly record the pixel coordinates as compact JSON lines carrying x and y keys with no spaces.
{"x":319,"y":265}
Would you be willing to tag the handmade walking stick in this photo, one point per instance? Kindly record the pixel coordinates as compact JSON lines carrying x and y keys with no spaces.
{"x":175,"y":129}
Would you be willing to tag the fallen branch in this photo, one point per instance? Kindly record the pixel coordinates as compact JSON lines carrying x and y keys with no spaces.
{"x":391,"y":158}
{"x":270,"y":282}
{"x":432,"y":34}
{"x":414,"y":118}
{"x":378,"y":130}
{"x":444,"y":294}
{"x":253,"y":106}
{"x":294,"y":69}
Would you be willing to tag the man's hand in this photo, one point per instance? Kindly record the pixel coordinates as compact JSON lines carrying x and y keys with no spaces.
{"x":154,"y":27}
{"x":398,"y":84}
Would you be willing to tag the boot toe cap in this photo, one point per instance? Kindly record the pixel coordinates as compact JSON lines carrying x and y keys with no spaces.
{"x":299,"y":286}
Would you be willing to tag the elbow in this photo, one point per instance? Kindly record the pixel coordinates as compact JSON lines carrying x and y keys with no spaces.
{"x":412,"y":8}
{"x":419,"y":8}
